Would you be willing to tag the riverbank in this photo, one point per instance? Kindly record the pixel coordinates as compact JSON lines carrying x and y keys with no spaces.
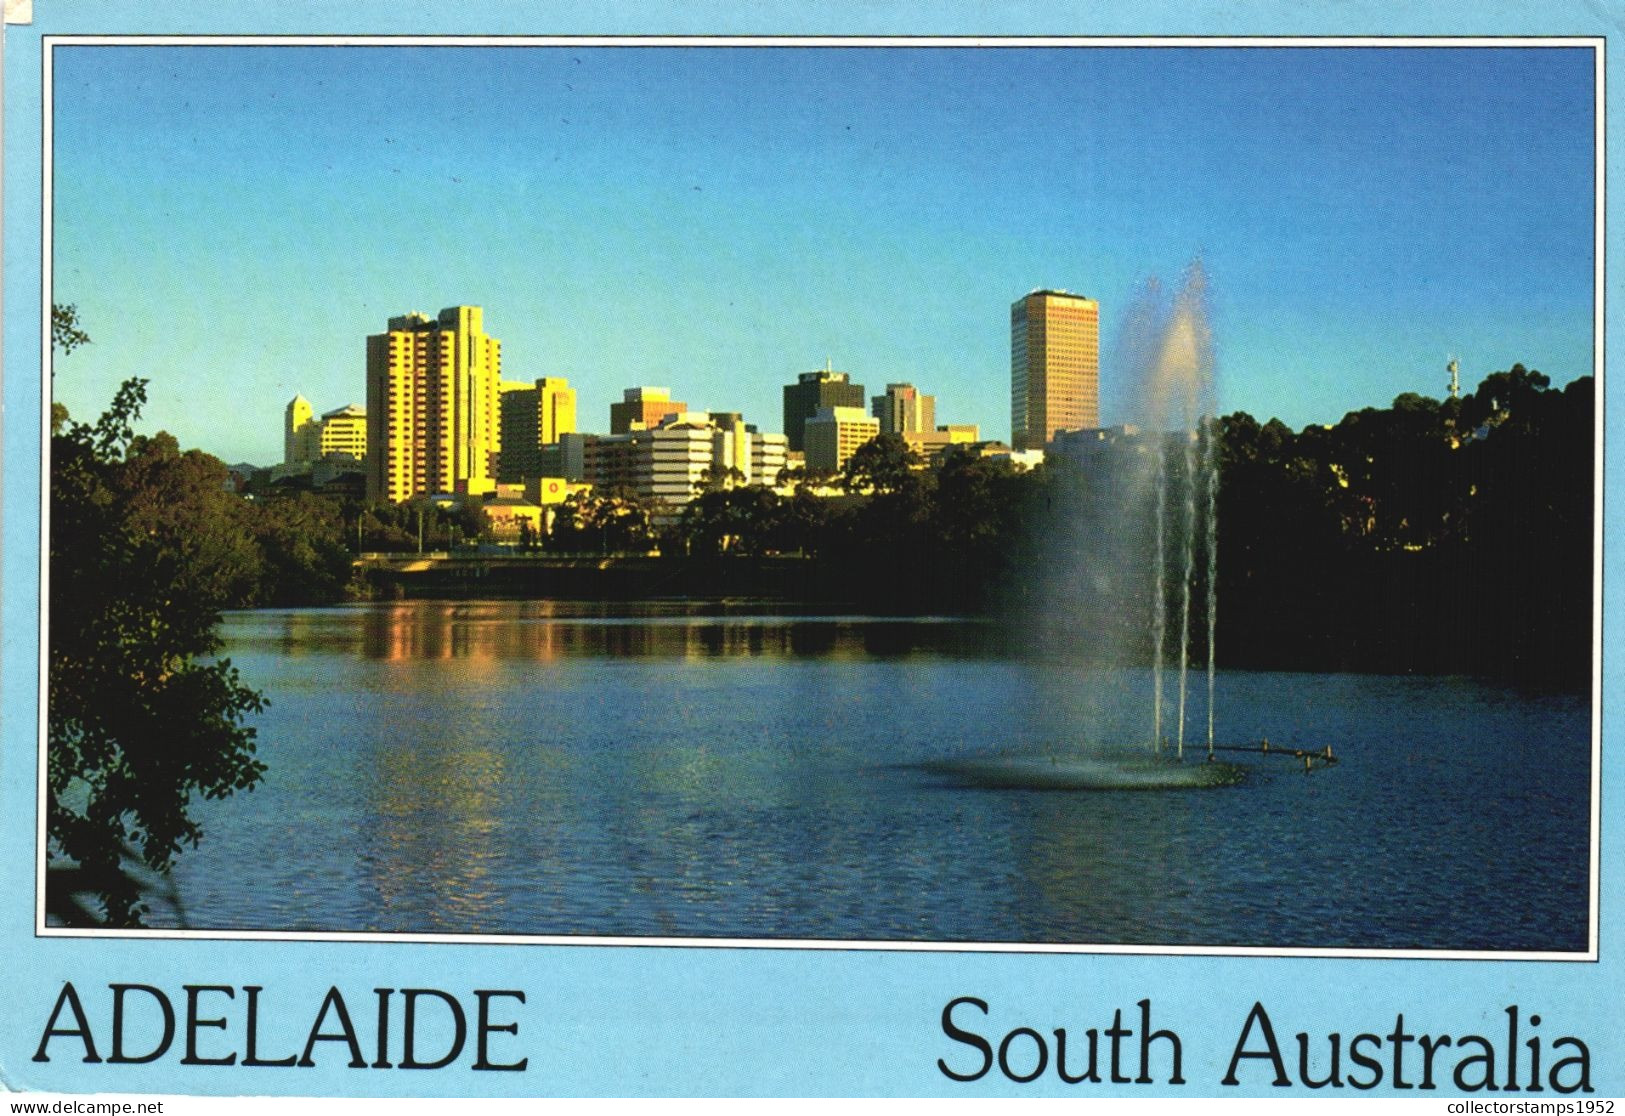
{"x":521,"y":575}
{"x":1366,"y":636}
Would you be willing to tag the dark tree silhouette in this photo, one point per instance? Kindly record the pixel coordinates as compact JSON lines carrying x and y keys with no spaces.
{"x":146,"y":547}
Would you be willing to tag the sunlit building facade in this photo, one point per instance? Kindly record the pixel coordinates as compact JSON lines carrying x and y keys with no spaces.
{"x":643,"y":408}
{"x":811,"y":393}
{"x":298,"y":432}
{"x":930,"y":444}
{"x":343,"y":434}
{"x":433,"y":406}
{"x":1054,"y":366}
{"x":339,"y":436}
{"x":904,"y":409}
{"x":835,"y":433}
{"x":534,"y":416}
{"x":685,"y":455}
{"x":768,"y":457}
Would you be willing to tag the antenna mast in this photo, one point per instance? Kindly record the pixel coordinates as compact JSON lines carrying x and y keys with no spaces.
{"x":1455,"y":379}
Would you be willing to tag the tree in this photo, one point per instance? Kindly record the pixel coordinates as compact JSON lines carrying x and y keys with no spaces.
{"x":65,"y":332}
{"x":140,"y":716}
{"x":717,"y":478}
{"x":731,"y":521}
{"x":976,"y":518}
{"x":304,"y":555}
{"x":614,"y":521}
{"x":882,"y":464}
{"x":1432,"y":535}
{"x":801,"y":522}
{"x":383,"y":527}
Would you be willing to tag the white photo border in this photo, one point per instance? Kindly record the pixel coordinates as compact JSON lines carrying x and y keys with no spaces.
{"x":1597,"y":44}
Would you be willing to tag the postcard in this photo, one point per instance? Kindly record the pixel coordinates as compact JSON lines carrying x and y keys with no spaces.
{"x":777,"y":554}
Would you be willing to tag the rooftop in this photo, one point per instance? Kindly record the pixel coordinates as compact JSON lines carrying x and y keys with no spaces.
{"x":1046,"y":292}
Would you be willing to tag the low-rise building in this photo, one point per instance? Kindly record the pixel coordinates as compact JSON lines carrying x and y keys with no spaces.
{"x":513,"y":519}
{"x":1021,"y":460}
{"x":1097,"y":446}
{"x":524,"y":513}
{"x":930,"y":444}
{"x":684,"y":455}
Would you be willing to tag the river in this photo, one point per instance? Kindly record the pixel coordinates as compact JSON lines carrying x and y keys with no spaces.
{"x":717,"y":771}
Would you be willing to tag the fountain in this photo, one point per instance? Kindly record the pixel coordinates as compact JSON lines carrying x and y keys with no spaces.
{"x":1131,"y":576}
{"x":1178,"y":379}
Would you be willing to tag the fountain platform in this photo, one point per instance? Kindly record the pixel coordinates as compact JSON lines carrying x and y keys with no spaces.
{"x":1085,"y":773}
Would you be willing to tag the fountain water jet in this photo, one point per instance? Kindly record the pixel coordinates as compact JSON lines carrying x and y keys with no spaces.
{"x":1134,"y":562}
{"x":1211,"y":446}
{"x":1176,"y":372}
{"x":1134,"y":509}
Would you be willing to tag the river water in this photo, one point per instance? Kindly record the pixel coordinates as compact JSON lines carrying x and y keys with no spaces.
{"x":542,"y":768}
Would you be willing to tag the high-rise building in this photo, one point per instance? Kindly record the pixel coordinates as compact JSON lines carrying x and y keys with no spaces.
{"x":557,"y":406}
{"x":643,"y":408}
{"x":298,"y":431}
{"x":433,"y":407}
{"x":1054,"y":366}
{"x":534,"y":416}
{"x":811,"y":393}
{"x":834,"y":433}
{"x":905,"y":410}
{"x":343,"y":434}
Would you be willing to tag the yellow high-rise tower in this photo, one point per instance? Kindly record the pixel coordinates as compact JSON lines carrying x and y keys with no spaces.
{"x":1054,"y":366}
{"x":433,"y":406}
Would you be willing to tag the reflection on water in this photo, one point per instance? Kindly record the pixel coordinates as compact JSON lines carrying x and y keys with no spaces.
{"x":540,"y":768}
{"x":491,"y":630}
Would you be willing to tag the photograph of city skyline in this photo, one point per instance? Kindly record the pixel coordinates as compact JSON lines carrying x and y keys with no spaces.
{"x":924,"y":492}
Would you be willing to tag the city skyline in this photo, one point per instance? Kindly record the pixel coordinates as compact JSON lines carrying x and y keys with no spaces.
{"x":233,"y":221}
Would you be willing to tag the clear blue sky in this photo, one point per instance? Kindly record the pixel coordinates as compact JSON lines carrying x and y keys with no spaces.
{"x":233,"y":221}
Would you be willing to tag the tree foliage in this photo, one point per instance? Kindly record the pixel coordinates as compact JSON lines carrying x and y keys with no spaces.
{"x":904,"y":538}
{"x":304,"y":554}
{"x":1430,"y":536}
{"x":146,"y":548}
{"x":745,"y":521}
{"x":400,"y":527}
{"x":616,"y":521}
{"x":66,"y":334}
{"x":882,"y":464}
